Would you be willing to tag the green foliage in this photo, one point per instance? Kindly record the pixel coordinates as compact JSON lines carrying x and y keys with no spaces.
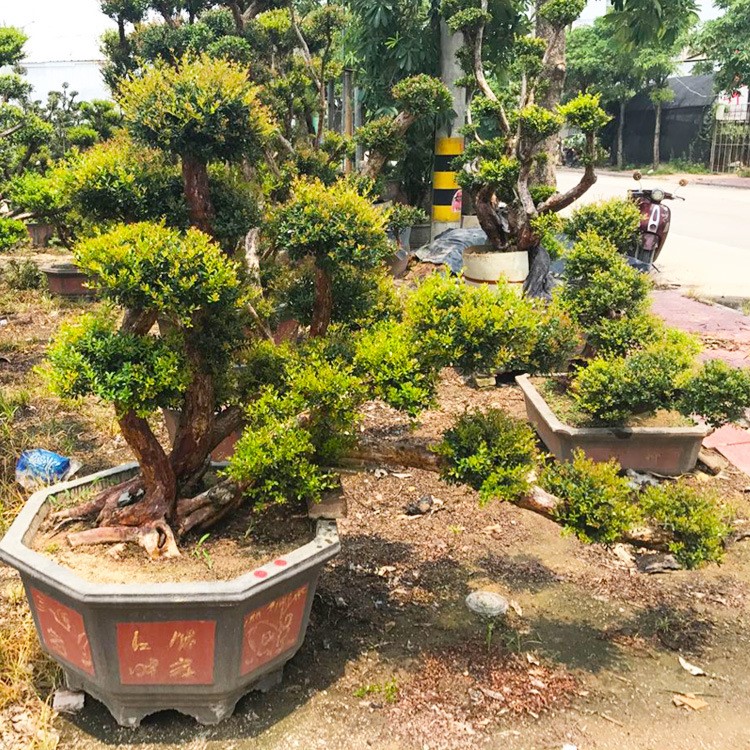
{"x":401,"y":216}
{"x":22,"y":275}
{"x":386,"y":358}
{"x":333,"y":224}
{"x":90,"y":357}
{"x":562,"y":13}
{"x":616,"y":220}
{"x":360,"y":296}
{"x":151,"y":267}
{"x":381,"y":134}
{"x":501,"y":174}
{"x":555,"y":339}
{"x":548,"y":227}
{"x":717,"y":392}
{"x":204,"y":108}
{"x":724,"y":41}
{"x":696,"y":521}
{"x":538,"y":123}
{"x":274,"y":458}
{"x":599,"y":283}
{"x":491,"y":452}
{"x":611,"y":390}
{"x":422,"y":95}
{"x":11,"y":45}
{"x":479,"y":330}
{"x":584,"y":112}
{"x":596,"y":504}
{"x":12,"y":234}
{"x":41,"y":196}
{"x":117,"y":181}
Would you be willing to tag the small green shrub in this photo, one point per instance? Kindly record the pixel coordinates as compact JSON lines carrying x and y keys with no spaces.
{"x":491,"y":452}
{"x":385,"y":357}
{"x":274,"y":458}
{"x":23,"y":275}
{"x":616,"y":220}
{"x":12,"y":234}
{"x":555,"y":339}
{"x":402,"y":216}
{"x":611,"y":390}
{"x":595,"y":499}
{"x":695,"y":520}
{"x":599,"y":283}
{"x":717,"y":392}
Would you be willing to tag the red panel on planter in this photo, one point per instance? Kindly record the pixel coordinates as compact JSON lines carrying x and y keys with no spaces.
{"x":175,"y":652}
{"x":272,"y":629}
{"x":63,"y":631}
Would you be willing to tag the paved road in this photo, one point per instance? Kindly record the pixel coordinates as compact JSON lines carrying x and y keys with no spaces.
{"x":708,"y":248}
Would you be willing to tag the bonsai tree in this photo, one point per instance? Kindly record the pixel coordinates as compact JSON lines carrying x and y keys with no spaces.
{"x":201,"y":110}
{"x":509,"y":127}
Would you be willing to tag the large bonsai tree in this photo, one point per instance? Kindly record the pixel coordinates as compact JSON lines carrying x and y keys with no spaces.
{"x":511,"y":123}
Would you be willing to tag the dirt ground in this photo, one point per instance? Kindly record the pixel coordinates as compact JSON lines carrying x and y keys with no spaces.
{"x":588,"y":654}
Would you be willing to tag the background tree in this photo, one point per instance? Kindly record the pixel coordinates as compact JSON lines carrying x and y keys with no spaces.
{"x":656,"y":65}
{"x":724,"y":41}
{"x":598,"y":62}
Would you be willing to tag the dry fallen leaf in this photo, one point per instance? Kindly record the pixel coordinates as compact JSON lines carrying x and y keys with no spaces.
{"x":688,"y":700}
{"x":688,"y":667}
{"x":532,"y":659}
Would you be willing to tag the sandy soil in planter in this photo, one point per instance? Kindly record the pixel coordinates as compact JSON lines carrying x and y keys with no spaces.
{"x":247,"y":540}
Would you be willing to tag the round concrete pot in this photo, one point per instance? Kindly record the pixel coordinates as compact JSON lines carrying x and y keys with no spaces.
{"x":140,"y":648}
{"x":483,"y":265}
{"x":662,"y":450}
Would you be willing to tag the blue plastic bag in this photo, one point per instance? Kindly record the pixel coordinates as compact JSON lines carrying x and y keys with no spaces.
{"x":38,"y":468}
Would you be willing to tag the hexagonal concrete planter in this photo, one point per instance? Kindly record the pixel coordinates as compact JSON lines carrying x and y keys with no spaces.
{"x":140,"y":648}
{"x":663,"y":450}
{"x":66,"y":280}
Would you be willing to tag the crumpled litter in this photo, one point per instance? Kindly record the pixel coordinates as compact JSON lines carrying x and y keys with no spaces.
{"x":38,"y":467}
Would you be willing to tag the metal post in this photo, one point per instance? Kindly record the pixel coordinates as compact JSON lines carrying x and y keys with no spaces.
{"x":446,"y":194}
{"x":358,"y":122}
{"x":348,"y":113}
{"x":331,"y":94}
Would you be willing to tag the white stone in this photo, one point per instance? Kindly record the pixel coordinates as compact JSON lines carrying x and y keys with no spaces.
{"x":487,"y":603}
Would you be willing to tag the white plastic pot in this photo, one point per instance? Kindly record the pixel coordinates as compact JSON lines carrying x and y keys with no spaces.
{"x":485,"y":265}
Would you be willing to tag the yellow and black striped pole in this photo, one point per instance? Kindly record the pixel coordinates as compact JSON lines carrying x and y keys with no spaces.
{"x":446,"y":194}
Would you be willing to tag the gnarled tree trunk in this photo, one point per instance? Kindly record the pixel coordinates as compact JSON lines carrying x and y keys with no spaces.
{"x":197,"y":193}
{"x":323,"y":304}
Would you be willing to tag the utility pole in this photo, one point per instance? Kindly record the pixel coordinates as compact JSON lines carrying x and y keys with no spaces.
{"x":348,"y":97}
{"x":446,"y":194}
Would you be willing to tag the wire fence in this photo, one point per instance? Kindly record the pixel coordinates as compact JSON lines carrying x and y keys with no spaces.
{"x":730,"y":144}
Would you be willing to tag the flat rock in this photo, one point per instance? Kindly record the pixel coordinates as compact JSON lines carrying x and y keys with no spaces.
{"x":68,"y":701}
{"x":487,"y":603}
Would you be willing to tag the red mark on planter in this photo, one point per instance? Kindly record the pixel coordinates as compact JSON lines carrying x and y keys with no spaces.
{"x":273,"y":629}
{"x":281,"y":563}
{"x":260,"y":574}
{"x":63,"y":631}
{"x":175,"y":652}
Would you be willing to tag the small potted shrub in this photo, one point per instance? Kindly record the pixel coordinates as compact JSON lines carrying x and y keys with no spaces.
{"x":401,"y":220}
{"x":634,"y":396}
{"x":12,"y":234}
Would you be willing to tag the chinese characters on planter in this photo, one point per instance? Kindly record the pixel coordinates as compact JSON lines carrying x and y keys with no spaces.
{"x":63,"y":631}
{"x":177,"y":652}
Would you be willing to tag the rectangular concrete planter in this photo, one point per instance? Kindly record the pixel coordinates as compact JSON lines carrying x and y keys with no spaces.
{"x":663,"y":450}
{"x":140,"y":648}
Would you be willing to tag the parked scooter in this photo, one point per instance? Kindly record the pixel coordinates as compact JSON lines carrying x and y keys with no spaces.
{"x":655,"y":219}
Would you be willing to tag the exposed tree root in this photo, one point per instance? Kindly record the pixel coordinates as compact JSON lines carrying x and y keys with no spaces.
{"x":208,"y":508}
{"x":156,"y":538}
{"x":90,"y":508}
{"x":416,"y":453}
